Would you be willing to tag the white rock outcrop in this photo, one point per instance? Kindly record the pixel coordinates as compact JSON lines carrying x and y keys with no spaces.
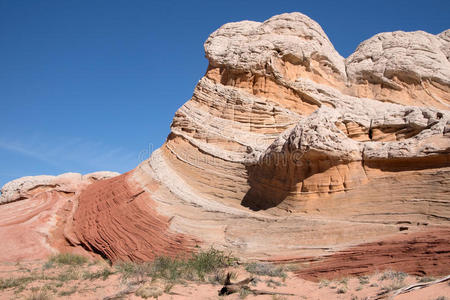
{"x":22,"y":188}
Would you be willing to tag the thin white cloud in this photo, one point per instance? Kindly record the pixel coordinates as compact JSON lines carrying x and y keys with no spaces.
{"x":65,"y":152}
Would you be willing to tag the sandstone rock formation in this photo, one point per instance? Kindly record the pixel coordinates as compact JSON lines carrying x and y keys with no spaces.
{"x":287,"y":150}
{"x":34,"y":210}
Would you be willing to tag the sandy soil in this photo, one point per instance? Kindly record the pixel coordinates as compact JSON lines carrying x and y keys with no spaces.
{"x":67,"y":282}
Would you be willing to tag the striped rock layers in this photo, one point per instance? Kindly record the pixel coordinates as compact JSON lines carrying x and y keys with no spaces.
{"x":288,"y":150}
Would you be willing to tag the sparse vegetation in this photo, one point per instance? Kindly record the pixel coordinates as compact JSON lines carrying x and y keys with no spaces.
{"x":243,"y":293}
{"x":397,"y":279}
{"x":149,"y":291}
{"x":67,"y":259}
{"x":68,"y":292}
{"x":60,"y":269}
{"x":39,"y":295}
{"x":266,"y":269}
{"x":56,"y":278}
{"x":134,"y":271}
{"x":168,"y":287}
{"x":103,"y":273}
{"x":343,"y":281}
{"x":68,"y":275}
{"x":193,"y":268}
{"x":14,"y":282}
{"x":427,"y":279}
{"x":323,"y":283}
{"x":272,"y":283}
{"x":393,"y":275}
{"x":363,"y":280}
{"x":395,"y":285}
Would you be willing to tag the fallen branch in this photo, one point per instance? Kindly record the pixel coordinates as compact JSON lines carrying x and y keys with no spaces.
{"x":418,"y":286}
{"x":231,"y":288}
{"x":410,"y":288}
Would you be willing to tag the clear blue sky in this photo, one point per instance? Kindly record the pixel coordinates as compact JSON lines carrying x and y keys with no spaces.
{"x":89,"y":85}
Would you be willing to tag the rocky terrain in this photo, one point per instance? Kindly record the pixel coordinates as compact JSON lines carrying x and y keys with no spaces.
{"x":286,"y":152}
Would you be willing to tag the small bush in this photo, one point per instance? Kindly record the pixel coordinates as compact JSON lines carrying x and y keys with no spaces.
{"x":392,"y":275}
{"x":441,"y":298}
{"x":341,"y":290}
{"x":395,"y":285}
{"x":67,"y":259}
{"x":265,"y":269}
{"x":68,"y":275}
{"x":323,"y":283}
{"x":149,"y":291}
{"x":363,"y":280}
{"x":39,"y":295}
{"x":343,"y":281}
{"x":135,"y":271}
{"x":272,"y":283}
{"x":103,"y":273}
{"x":206,"y":262}
{"x":170,"y":269}
{"x":426,"y":279}
{"x":68,"y":292}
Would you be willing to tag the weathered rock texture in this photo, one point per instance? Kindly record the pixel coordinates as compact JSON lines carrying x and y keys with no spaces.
{"x":117,"y":220}
{"x":288,"y":150}
{"x":34,"y":210}
{"x":416,"y":254}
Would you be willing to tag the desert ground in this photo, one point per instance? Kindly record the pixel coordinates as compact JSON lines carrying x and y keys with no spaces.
{"x":68,"y":276}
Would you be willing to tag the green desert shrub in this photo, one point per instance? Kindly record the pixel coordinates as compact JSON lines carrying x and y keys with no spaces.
{"x":194,"y":267}
{"x":67,"y":259}
{"x":426,"y":279}
{"x":363,"y":280}
{"x":206,"y":262}
{"x":393,"y":275}
{"x":134,"y":271}
{"x":103,"y":273}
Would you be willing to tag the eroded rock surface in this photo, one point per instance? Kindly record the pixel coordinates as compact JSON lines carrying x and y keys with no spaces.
{"x":287,"y":150}
{"x":34,"y":210}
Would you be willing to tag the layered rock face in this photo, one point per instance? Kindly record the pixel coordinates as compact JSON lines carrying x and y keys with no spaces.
{"x":288,"y":150}
{"x":276,"y":112}
{"x":34,"y":211}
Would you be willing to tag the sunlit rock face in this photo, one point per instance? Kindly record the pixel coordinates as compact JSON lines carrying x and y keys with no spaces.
{"x":280,"y":117}
{"x":286,"y":150}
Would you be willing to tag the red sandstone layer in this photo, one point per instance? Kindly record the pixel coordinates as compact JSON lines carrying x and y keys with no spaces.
{"x":419,"y":253}
{"x":118,"y":220}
